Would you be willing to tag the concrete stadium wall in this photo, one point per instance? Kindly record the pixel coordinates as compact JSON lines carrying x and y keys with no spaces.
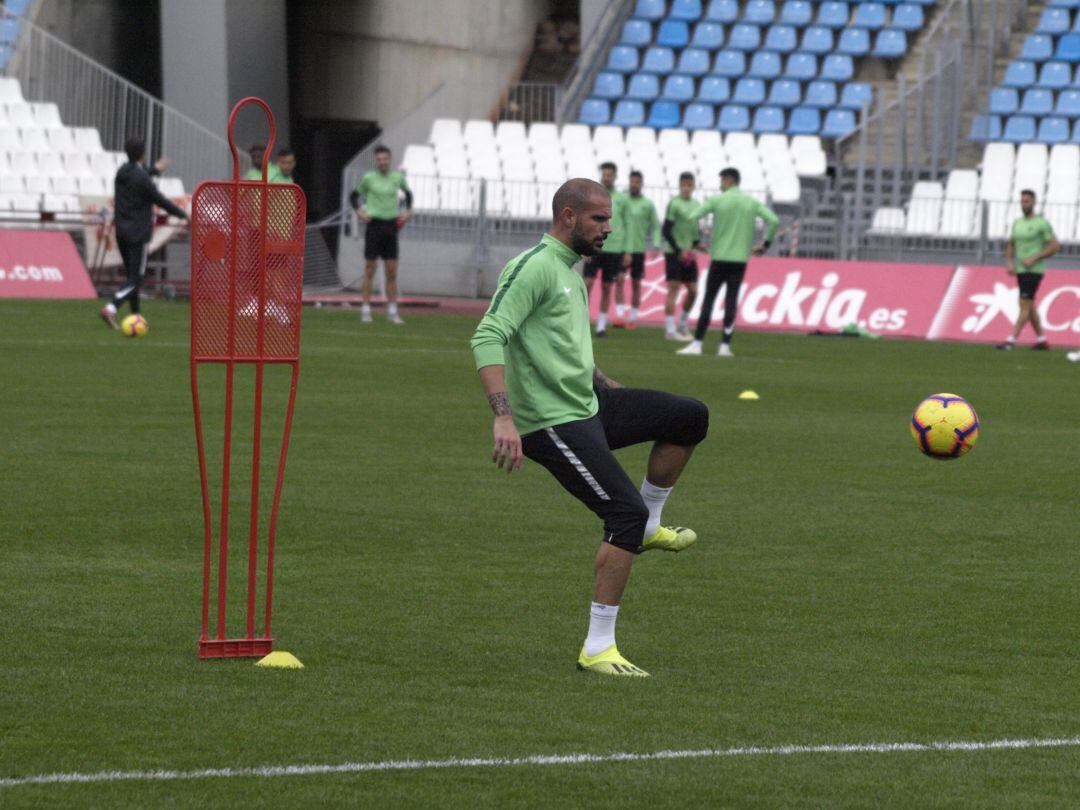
{"x":378,"y":60}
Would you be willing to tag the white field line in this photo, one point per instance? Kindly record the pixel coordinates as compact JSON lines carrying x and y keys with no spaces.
{"x":547,"y":759}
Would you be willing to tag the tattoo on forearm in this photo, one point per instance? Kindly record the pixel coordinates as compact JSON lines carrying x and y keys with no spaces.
{"x":500,"y":403}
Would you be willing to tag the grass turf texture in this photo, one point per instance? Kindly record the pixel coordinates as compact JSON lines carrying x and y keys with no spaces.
{"x":845,"y":588}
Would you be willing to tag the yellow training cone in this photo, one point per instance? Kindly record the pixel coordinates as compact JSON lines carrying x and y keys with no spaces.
{"x":281,"y":660}
{"x":749,"y":395}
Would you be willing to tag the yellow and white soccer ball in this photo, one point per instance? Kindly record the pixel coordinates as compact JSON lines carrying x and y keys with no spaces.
{"x":134,"y":326}
{"x":945,"y":426}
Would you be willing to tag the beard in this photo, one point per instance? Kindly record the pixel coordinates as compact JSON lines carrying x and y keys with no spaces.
{"x":580,"y":245}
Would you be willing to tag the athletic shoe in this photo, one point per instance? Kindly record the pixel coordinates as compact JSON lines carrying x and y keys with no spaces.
{"x":601,"y":334}
{"x":693,"y":348}
{"x":109,"y":317}
{"x":631,"y":325}
{"x":618,"y":323}
{"x":1007,"y":346}
{"x":1074,"y":357}
{"x":670,"y":538}
{"x":725,"y":351}
{"x":365,"y":316}
{"x":672,"y":336}
{"x":1041,"y":346}
{"x":684,"y":335}
{"x":609,"y":662}
{"x":395,"y":319}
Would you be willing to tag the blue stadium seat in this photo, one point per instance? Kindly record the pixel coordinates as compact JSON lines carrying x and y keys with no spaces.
{"x":17,"y":7}
{"x":768,"y":119}
{"x":687,"y":10}
{"x":623,"y":59}
{"x":759,"y":12}
{"x":699,"y":116}
{"x":801,"y":67}
{"x":854,"y":42}
{"x":628,"y":114}
{"x":723,"y":11}
{"x":693,"y":62}
{"x":708,"y":35}
{"x":1051,"y":4}
{"x":1055,"y":75}
{"x":643,"y":87}
{"x":1075,"y":133}
{"x":594,"y":111}
{"x":637,"y":33}
{"x":804,"y":121}
{"x":985,"y":128}
{"x":785,"y":93}
{"x":781,"y":38}
{"x":1068,"y":103}
{"x":837,"y":67}
{"x":729,"y":63}
{"x":856,"y":95}
{"x":838,"y":123}
{"x":890,"y":44}
{"x":1019,"y":74}
{"x":1019,"y":129}
{"x":765,"y":65}
{"x":608,"y":85}
{"x":1037,"y":48}
{"x":833,"y":14}
{"x":1004,"y":101}
{"x":734,"y":118}
{"x":869,"y":15}
{"x":817,"y":39}
{"x":714,"y":89}
{"x":820,"y":94}
{"x":796,"y":12}
{"x":649,"y":9}
{"x":658,"y":60}
{"x":908,"y":17}
{"x":745,"y":37}
{"x":678,"y":88}
{"x":5,"y":55}
{"x":1053,"y":130}
{"x":1054,"y":21}
{"x":663,"y":115}
{"x":1037,"y":101}
{"x":9,"y":29}
{"x":749,"y":92}
{"x":673,"y":34}
{"x":1068,"y":48}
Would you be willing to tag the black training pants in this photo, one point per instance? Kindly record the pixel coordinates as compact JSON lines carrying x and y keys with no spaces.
{"x":133,"y":255}
{"x":731,"y":274}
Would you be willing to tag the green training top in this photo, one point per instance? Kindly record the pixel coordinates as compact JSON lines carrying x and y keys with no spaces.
{"x":1030,"y":236}
{"x":639,"y":215}
{"x":734,"y":217}
{"x":538,"y":327}
{"x":256,"y":174}
{"x":274,"y":175}
{"x":684,"y":226}
{"x":381,"y":193}
{"x":614,"y":241}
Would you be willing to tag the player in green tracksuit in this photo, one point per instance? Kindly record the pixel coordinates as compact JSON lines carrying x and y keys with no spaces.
{"x":608,"y":262}
{"x":735,"y":217}
{"x":682,"y":237}
{"x":551,"y":404}
{"x":640,"y":220}
{"x":1031,"y":242}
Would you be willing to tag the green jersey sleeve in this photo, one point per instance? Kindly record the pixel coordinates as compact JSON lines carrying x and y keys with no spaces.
{"x":771,"y":220}
{"x":518,"y":295}
{"x":403,"y":184}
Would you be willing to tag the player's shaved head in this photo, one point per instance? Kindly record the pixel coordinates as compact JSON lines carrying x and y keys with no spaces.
{"x":581,"y":215}
{"x":575,"y":194}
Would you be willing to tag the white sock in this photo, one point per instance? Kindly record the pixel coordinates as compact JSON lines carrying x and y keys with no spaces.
{"x":601,"y":322}
{"x":655,"y":497}
{"x":1040,"y":339}
{"x":669,"y":323}
{"x":619,"y":309}
{"x":110,"y":308}
{"x":601,"y":628}
{"x":366,"y":309}
{"x":391,"y":309}
{"x":728,"y":332}
{"x":633,"y":314}
{"x":1010,"y":339}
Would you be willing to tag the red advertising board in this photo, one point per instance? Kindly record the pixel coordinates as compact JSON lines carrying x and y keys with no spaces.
{"x":804,"y":295}
{"x":42,"y":264}
{"x":982,"y":304}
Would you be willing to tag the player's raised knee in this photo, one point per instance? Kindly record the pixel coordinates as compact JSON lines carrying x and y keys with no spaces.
{"x":695,"y":422}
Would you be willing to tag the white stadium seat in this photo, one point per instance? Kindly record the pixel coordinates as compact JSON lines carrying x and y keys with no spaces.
{"x":445,"y":130}
{"x":508,"y":132}
{"x":50,"y":164}
{"x":706,"y":142}
{"x":924,"y":209}
{"x":958,"y":212}
{"x":38,"y":184}
{"x":673,"y":141}
{"x":418,"y":161}
{"x":47,"y":115}
{"x":451,"y":159}
{"x":61,"y":139}
{"x":12,"y":184}
{"x":485,"y":165}
{"x":10,"y":139}
{"x":641,"y":138}
{"x":1031,"y":162}
{"x":87,"y":139}
{"x":171,"y":187}
{"x":23,"y":163}
{"x":95,"y":187}
{"x":21,"y":115}
{"x":517,"y":163}
{"x":10,"y":91}
{"x":103,"y":165}
{"x":543,"y":133}
{"x":22,"y":205}
{"x":67,"y":184}
{"x":34,"y":139}
{"x":888,"y":221}
{"x":425,"y":189}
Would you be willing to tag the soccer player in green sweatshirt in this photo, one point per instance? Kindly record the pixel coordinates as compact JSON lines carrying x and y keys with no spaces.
{"x":553,"y":405}
{"x":735,"y":217}
{"x":640,"y":221}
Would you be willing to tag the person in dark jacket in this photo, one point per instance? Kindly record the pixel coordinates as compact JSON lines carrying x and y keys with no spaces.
{"x":135,"y":198}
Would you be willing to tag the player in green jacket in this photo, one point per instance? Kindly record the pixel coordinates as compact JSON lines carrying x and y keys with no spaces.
{"x":640,"y":221}
{"x":608,"y":262}
{"x":1032,"y":240}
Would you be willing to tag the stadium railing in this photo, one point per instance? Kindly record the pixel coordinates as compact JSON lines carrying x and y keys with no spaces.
{"x":532,"y":101}
{"x":591,"y":58}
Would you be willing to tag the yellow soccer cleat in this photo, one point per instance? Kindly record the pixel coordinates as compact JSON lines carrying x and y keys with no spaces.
{"x":670,"y":538}
{"x":609,"y":662}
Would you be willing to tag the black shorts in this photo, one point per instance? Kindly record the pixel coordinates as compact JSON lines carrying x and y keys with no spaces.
{"x":1029,"y":284}
{"x":380,"y":239}
{"x":609,"y":264}
{"x":675,"y":270}
{"x":637,"y":266}
{"x":579,"y":453}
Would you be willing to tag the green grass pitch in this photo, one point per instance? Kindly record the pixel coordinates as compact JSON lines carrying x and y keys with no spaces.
{"x":845,"y":589}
